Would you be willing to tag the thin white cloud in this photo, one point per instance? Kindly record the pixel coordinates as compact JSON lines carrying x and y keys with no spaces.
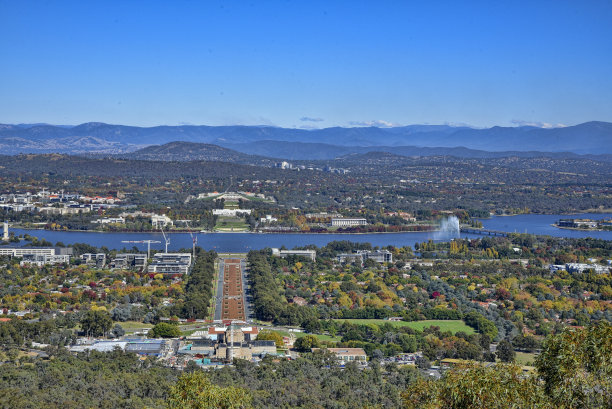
{"x":309,"y":127}
{"x":544,"y":125}
{"x":310,"y":119}
{"x":459,"y":125}
{"x":377,"y":123}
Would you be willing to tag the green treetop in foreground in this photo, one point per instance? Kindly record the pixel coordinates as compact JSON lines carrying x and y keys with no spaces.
{"x":576,"y":366}
{"x":574,"y":370}
{"x":195,"y":391}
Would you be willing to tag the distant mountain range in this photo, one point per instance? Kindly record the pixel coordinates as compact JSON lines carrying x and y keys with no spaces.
{"x":322,"y":151}
{"x":255,"y":153}
{"x":594,"y":138}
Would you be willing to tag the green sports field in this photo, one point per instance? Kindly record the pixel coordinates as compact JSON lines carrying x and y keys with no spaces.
{"x":322,"y":337}
{"x":445,"y":325}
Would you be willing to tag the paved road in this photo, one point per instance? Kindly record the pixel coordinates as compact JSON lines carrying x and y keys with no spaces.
{"x":227,"y":268}
{"x":219,"y":295}
{"x":248,"y":310}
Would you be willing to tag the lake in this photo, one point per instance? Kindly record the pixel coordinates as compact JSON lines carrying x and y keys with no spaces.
{"x":242,"y":242}
{"x":542,"y":224}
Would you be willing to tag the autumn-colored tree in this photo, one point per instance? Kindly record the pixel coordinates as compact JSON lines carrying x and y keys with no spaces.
{"x":267,"y":335}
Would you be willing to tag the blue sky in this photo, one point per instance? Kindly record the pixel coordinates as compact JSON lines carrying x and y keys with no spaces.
{"x":306,"y":64}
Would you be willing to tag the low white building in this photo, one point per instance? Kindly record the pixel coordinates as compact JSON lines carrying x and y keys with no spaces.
{"x":170,"y":263}
{"x":108,"y":220}
{"x":129,"y":261}
{"x":231,"y":212}
{"x":346,"y":355}
{"x":581,"y":267}
{"x":65,"y":210}
{"x":22,"y":251}
{"x":380,"y":256}
{"x":311,"y":254}
{"x":43,"y":259}
{"x":162,"y":220}
{"x":98,"y":260}
{"x":268,"y":219}
{"x":15,"y":207}
{"x":348,"y":221}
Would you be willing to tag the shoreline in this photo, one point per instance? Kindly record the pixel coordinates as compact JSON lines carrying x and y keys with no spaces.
{"x":576,"y":228}
{"x":589,"y":211}
{"x":157,"y":233}
{"x":220,"y":232}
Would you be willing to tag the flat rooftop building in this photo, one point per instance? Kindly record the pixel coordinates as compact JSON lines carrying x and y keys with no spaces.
{"x":223,"y":343}
{"x":129,"y":261}
{"x":21,"y":251}
{"x":348,"y":221}
{"x":44,"y":259}
{"x":98,"y":260}
{"x":346,"y":355}
{"x":170,"y":263}
{"x":380,"y":256}
{"x":311,"y":254}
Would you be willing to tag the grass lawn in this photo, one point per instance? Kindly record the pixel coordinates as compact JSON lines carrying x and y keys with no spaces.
{"x":210,"y":197}
{"x":525,"y":358}
{"x":321,"y":337}
{"x":132,"y":325}
{"x":303,"y":334}
{"x":229,"y":224}
{"x":445,"y":325}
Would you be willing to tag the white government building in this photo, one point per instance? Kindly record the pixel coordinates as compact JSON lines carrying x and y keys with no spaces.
{"x":230,"y":212}
{"x":348,"y":221}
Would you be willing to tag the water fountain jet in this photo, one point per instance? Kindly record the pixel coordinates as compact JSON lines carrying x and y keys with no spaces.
{"x":449,"y":229}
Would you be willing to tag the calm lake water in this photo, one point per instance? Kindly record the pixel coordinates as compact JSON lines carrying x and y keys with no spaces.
{"x":241,"y":242}
{"x":542,"y":224}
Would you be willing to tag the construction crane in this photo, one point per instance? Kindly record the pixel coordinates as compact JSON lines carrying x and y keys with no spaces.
{"x":143,"y":241}
{"x":166,"y":239}
{"x":194,"y":241}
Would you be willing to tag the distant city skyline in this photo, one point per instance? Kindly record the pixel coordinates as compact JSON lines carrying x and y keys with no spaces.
{"x":306,"y":65}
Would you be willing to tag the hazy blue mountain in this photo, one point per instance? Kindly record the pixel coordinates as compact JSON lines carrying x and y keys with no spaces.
{"x":190,"y":151}
{"x":321,"y":151}
{"x":261,"y":153}
{"x":587,"y":138}
{"x":297,"y":150}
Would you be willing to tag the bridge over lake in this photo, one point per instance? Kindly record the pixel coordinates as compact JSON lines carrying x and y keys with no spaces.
{"x":484,"y":232}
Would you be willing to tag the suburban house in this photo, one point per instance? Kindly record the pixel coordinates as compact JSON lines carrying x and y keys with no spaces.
{"x":346,"y":355}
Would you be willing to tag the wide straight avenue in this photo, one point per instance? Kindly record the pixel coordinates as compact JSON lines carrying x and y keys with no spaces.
{"x":231,"y":300}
